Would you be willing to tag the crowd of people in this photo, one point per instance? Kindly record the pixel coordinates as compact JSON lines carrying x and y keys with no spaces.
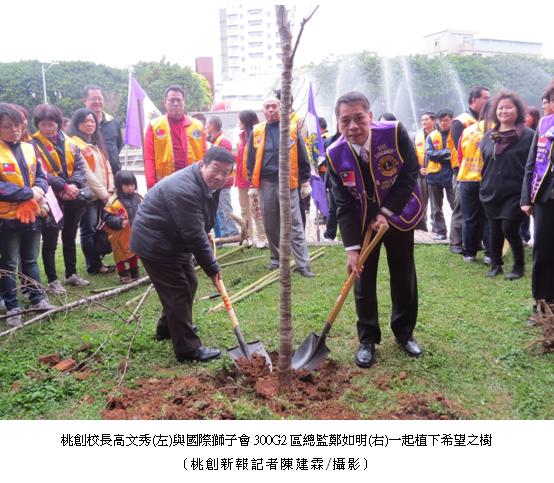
{"x":485,"y":161}
{"x":493,"y":163}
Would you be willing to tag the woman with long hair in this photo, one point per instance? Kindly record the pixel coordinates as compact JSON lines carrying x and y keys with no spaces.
{"x":86,"y":134}
{"x":505,"y":148}
{"x":249,"y":206}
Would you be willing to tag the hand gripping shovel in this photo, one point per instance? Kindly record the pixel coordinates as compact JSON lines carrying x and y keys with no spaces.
{"x":312,"y":352}
{"x":244,"y":350}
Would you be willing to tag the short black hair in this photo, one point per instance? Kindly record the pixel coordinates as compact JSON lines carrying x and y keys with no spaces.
{"x":9,"y":111}
{"x":124,"y":178}
{"x":48,"y":112}
{"x":89,"y":88}
{"x":352,"y":97}
{"x":174,"y":88}
{"x":445,"y":112}
{"x":387,"y":116}
{"x":215,"y":153}
{"x":215,"y":121}
{"x":200,"y":116}
{"x":322,"y":123}
{"x":476,"y":92}
{"x":431,"y":114}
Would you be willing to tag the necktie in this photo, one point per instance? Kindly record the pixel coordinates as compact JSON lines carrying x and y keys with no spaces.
{"x":364,"y":154}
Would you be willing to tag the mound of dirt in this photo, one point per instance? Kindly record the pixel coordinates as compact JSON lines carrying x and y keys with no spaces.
{"x":314,"y":396}
{"x":318,"y":395}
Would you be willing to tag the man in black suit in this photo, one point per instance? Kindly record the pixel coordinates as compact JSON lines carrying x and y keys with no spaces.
{"x":373,"y":169}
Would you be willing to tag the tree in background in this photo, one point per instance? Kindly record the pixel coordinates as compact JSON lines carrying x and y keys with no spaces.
{"x":21,"y":83}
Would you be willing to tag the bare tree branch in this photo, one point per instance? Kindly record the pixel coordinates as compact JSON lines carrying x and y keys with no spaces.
{"x":302,"y":25}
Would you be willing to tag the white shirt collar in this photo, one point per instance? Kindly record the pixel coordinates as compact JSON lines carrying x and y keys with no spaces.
{"x":358,"y":147}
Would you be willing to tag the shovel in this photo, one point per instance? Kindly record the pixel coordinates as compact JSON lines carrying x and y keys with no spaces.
{"x":312,"y":352}
{"x":244,"y":350}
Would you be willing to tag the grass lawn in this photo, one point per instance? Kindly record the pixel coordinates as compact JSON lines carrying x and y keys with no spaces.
{"x":471,"y":328}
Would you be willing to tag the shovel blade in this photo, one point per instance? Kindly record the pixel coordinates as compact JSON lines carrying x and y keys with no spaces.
{"x":311,"y":354}
{"x":255,"y":347}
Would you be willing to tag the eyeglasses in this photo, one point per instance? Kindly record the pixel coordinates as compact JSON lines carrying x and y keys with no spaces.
{"x":175,"y":101}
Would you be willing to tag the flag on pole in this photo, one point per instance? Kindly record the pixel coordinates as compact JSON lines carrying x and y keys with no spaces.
{"x":319,"y":194}
{"x":148,"y":111}
{"x":312,"y":124}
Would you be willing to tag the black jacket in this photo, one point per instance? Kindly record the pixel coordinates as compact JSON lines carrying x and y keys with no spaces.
{"x":502,"y":177}
{"x":547,"y":185}
{"x":175,"y":218}
{"x":348,"y":208}
{"x":113,"y":139}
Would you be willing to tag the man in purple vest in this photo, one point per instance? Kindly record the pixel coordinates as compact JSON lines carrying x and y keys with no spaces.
{"x":373,"y":169}
{"x":537,"y":198}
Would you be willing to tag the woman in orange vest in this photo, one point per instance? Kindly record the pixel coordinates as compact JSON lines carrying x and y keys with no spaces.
{"x":22,"y":187}
{"x":62,"y":161}
{"x":250,"y":208}
{"x":86,"y":134}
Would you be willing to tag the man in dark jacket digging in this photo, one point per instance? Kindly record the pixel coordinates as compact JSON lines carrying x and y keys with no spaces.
{"x":171,"y":226}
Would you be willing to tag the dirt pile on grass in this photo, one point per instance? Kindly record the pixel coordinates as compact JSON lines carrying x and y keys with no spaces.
{"x":315,"y":396}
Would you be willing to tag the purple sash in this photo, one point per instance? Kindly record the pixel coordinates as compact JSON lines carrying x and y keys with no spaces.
{"x":544,"y":153}
{"x":385,"y":165}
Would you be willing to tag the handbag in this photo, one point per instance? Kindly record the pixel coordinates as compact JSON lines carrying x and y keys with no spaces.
{"x":102,"y":243}
{"x":85,"y":196}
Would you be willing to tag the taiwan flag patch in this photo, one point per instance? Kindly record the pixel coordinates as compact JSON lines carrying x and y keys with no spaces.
{"x":348,"y":178}
{"x":8,"y":167}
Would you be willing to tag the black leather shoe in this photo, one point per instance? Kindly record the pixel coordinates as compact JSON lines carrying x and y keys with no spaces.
{"x":517,"y":272}
{"x":304,"y":271}
{"x":273,"y":266}
{"x":202,"y":354}
{"x":456,"y":249}
{"x":411,"y":347}
{"x":494,"y":271}
{"x":365,"y":357}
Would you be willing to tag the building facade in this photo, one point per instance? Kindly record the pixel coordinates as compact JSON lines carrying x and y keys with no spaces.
{"x":464,"y":42}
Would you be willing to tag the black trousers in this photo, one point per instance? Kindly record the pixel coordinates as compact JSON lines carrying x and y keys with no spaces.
{"x":542,"y":277}
{"x":175,"y":282}
{"x":72,"y":213}
{"x":403,"y":289}
{"x":475,"y":226}
{"x":509,"y":229}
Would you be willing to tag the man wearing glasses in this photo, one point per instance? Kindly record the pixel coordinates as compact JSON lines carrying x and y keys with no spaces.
{"x":93,"y":99}
{"x":173,"y":141}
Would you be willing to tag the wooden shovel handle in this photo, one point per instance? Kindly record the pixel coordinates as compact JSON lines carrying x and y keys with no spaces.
{"x":366,"y":250}
{"x":227,"y":303}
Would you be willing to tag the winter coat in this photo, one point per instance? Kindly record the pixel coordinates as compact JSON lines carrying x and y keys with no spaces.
{"x":174,"y":219}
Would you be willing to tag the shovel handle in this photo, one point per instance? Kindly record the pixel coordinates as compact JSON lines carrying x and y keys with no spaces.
{"x":227,"y":303}
{"x":366,"y":250}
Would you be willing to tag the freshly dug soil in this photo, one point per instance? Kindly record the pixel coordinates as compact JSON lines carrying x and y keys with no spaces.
{"x":318,"y":395}
{"x":313,"y":396}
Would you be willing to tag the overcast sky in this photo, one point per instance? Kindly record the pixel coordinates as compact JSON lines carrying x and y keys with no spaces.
{"x":120,"y":33}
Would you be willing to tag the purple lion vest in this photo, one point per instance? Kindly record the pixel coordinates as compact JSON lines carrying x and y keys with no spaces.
{"x":385,"y":162}
{"x":544,"y":153}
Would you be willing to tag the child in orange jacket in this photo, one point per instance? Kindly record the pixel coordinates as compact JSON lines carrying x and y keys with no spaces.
{"x":118,"y":215}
